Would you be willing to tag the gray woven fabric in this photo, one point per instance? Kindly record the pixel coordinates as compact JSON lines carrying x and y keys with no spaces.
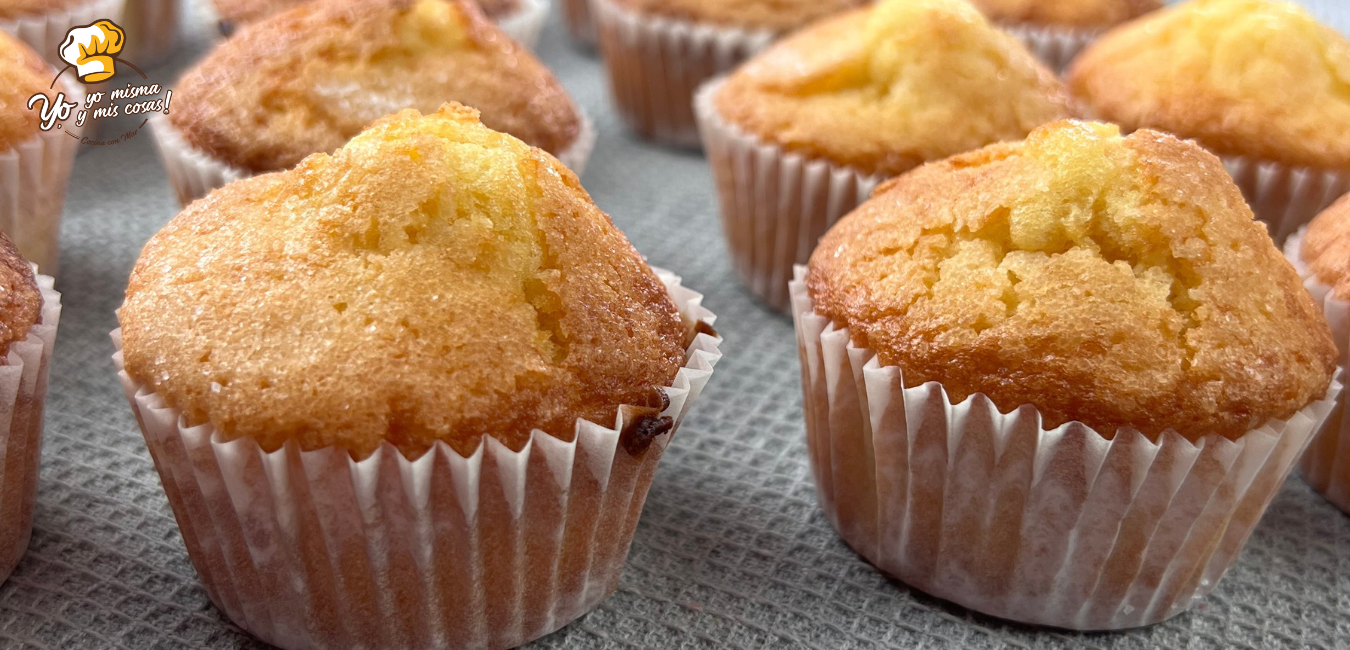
{"x":732,"y":550}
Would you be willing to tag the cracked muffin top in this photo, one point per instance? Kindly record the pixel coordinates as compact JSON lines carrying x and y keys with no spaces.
{"x":888,"y":88}
{"x":307,"y":80}
{"x":1326,"y":247}
{"x":432,"y":280}
{"x":20,"y":298}
{"x":240,"y":12}
{"x":1241,"y":77}
{"x":1118,"y":282}
{"x":1080,"y":14}
{"x":771,"y":15}
{"x":22,"y":74}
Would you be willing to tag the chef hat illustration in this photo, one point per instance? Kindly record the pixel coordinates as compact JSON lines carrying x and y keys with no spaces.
{"x":92,"y":49}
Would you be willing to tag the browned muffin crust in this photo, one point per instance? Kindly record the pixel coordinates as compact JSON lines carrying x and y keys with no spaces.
{"x":20,"y":298}
{"x":1074,"y":14}
{"x":242,"y":12}
{"x":432,"y":280}
{"x":1116,"y":282}
{"x":1326,"y":247}
{"x":22,"y":74}
{"x":772,"y":15}
{"x":11,"y":9}
{"x":307,"y":80}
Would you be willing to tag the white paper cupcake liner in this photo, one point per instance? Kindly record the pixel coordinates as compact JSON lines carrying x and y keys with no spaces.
{"x":313,"y":550}
{"x":656,"y":64}
{"x":577,"y":16}
{"x":23,"y":392}
{"x":525,"y":24}
{"x":1285,"y":197}
{"x":1326,"y":464}
{"x":33,"y":176}
{"x":1063,"y":527}
{"x":775,"y":204}
{"x":44,"y":32}
{"x":194,"y":173}
{"x":1055,"y":46}
{"x":152,"y":28}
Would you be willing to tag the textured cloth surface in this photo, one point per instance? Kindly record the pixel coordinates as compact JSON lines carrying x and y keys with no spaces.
{"x":732,"y":551}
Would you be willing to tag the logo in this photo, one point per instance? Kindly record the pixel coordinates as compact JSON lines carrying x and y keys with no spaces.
{"x":91,"y":51}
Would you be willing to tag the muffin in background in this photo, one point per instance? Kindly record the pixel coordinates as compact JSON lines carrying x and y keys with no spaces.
{"x":307,"y":80}
{"x":580,"y":24}
{"x":34,"y":164}
{"x":1057,"y":30}
{"x":1258,"y":82}
{"x":43,"y":24}
{"x":658,"y":52}
{"x":522,"y":20}
{"x":801,"y":133}
{"x":462,"y":368}
{"x":1058,"y":381}
{"x":153,"y":30}
{"x":29,"y":313}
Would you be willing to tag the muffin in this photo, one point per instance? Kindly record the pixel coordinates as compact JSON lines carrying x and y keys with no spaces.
{"x":577,"y":17}
{"x":29,"y":313}
{"x":461,"y":368}
{"x":658,"y":52}
{"x":43,"y":24}
{"x":520,"y":19}
{"x":801,"y":133}
{"x":34,"y":164}
{"x":1257,"y":82}
{"x":152,"y":28}
{"x":307,"y":80}
{"x":1058,"y":381}
{"x":1057,"y":30}
{"x":1321,"y":255}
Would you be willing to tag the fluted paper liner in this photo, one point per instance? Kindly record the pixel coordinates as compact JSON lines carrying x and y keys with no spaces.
{"x":525,"y":23}
{"x":1326,"y":464}
{"x":152,"y":30}
{"x":23,"y":392}
{"x":775,"y":204}
{"x":194,"y":173}
{"x":656,"y":64}
{"x":1054,"y":45}
{"x":45,"y":32}
{"x":1285,"y":197}
{"x":33,"y":177}
{"x":1064,"y":527}
{"x":313,"y":550}
{"x":577,"y":15}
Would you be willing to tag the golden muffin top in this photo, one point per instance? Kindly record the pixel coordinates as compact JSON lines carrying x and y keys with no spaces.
{"x":432,"y":280}
{"x":1078,"y":14}
{"x":240,"y":12}
{"x":307,"y":80}
{"x":22,"y":74}
{"x":1112,"y":281}
{"x":20,"y":298}
{"x":1242,"y":77}
{"x":888,"y":88}
{"x":772,"y":15}
{"x":11,"y":9}
{"x":1326,"y":247}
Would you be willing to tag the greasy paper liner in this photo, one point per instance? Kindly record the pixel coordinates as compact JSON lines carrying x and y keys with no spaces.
{"x":194,"y":173}
{"x":1326,"y":464}
{"x":775,"y":204}
{"x":577,"y":16}
{"x":152,"y":28}
{"x":1285,"y":197}
{"x":33,"y":177}
{"x":45,"y":32}
{"x":1062,"y":527}
{"x":23,"y":391}
{"x":312,"y":550}
{"x":1055,"y":46}
{"x":656,"y":64}
{"x":526,"y":23}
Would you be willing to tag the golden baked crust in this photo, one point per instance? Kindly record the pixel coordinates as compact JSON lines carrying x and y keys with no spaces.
{"x":1116,"y":282}
{"x":432,"y":280}
{"x":1241,"y":77}
{"x":10,"y":9}
{"x":1326,"y":247}
{"x":886,"y":89}
{"x":242,"y":12}
{"x":22,"y":74}
{"x":307,"y":80}
{"x":20,"y":298}
{"x":1077,"y":14}
{"x":772,"y":15}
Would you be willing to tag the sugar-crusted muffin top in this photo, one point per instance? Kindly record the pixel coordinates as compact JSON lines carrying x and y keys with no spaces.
{"x":772,"y":15}
{"x":20,"y":298}
{"x":1078,"y":14}
{"x":22,"y":74}
{"x":432,"y":280}
{"x":888,"y":88}
{"x":307,"y":80}
{"x":1326,"y":247}
{"x":1242,"y":77}
{"x":1113,"y":281}
{"x":11,"y":9}
{"x":241,"y":12}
